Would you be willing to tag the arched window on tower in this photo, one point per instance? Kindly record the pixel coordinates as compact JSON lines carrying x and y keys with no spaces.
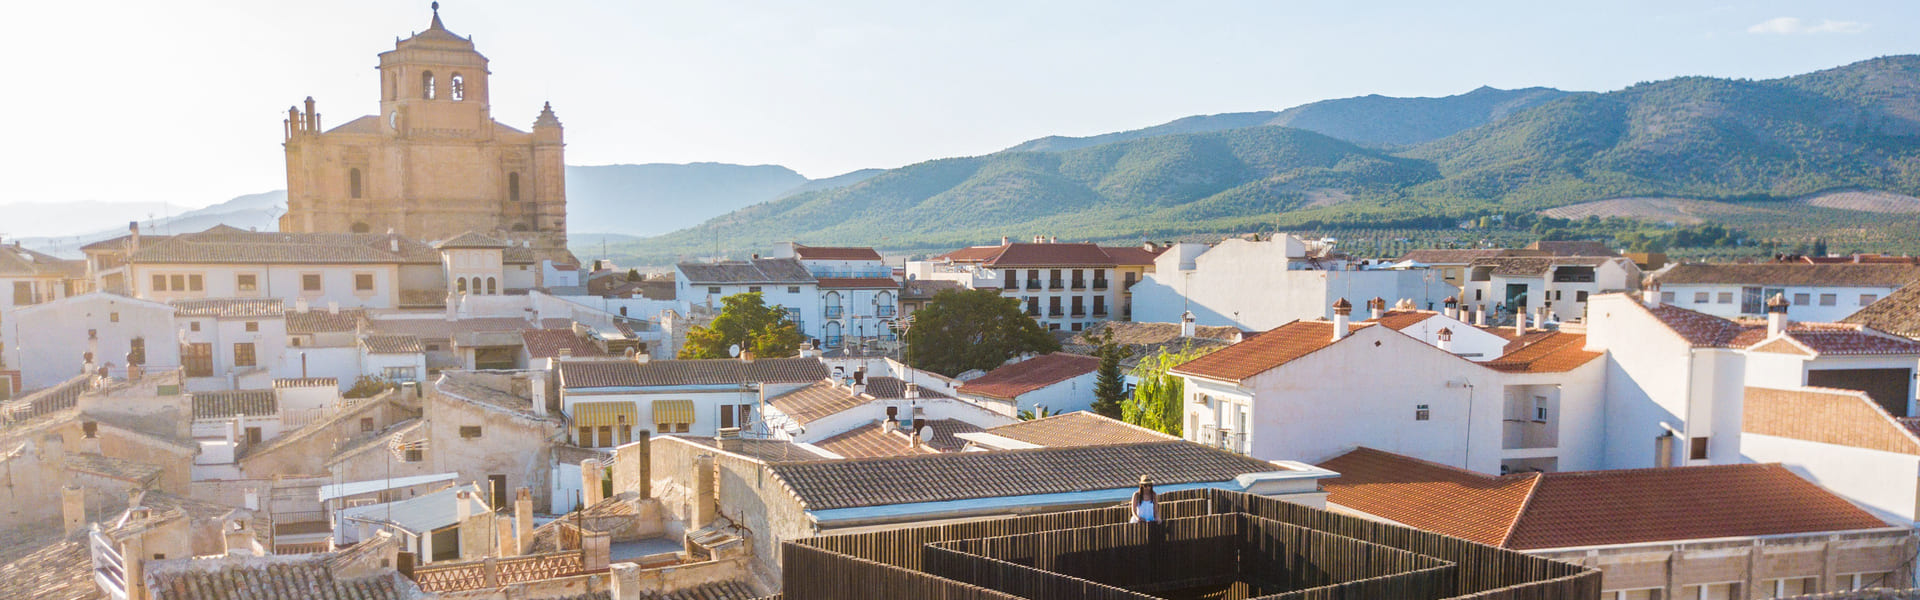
{"x":353,"y":182}
{"x":458,"y":89}
{"x":476,"y":285}
{"x":513,"y":187}
{"x":426,"y":85}
{"x":491,"y":290}
{"x":460,"y":284}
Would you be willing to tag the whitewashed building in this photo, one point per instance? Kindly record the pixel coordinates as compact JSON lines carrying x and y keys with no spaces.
{"x":1259,"y":285}
{"x":781,"y":282}
{"x":232,"y":343}
{"x":859,"y":298}
{"x":608,"y":400}
{"x":364,"y":270}
{"x":1059,"y":382}
{"x":1815,"y":292}
{"x":49,"y":342}
{"x":1560,"y":285}
{"x":1063,"y":286}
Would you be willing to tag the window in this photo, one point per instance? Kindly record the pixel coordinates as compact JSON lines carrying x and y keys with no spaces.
{"x":194,"y":284}
{"x":490,"y":287}
{"x":400,"y":373}
{"x":1697,"y":448}
{"x":1666,"y":297}
{"x":713,"y":289}
{"x":1788,"y":587}
{"x":177,"y":282}
{"x":197,"y":359}
{"x":247,"y":282}
{"x":243,"y":354}
{"x":1866,"y":299}
{"x":460,"y":284}
{"x":353,"y":183}
{"x":1711,"y":591}
{"x":753,"y":289}
{"x":159,"y":285}
{"x":113,"y":317}
{"x":1078,"y":326}
{"x":1579,"y":296}
{"x":1724,"y":298}
{"x":415,"y":454}
{"x":366,"y":424}
{"x":1829,"y":299}
{"x":1699,"y":297}
{"x":1422,"y":413}
{"x":253,"y":436}
{"x":1802,"y":299}
{"x":469,"y":432}
{"x":426,"y":85}
{"x":253,"y":326}
{"x":513,"y":187}
{"x":193,"y":326}
{"x":363,"y":282}
{"x":1539,"y":409}
{"x":793,"y":289}
{"x":457,"y":87}
{"x":736,"y":415}
{"x":310,"y":282}
{"x":1479,"y":295}
{"x":137,"y":351}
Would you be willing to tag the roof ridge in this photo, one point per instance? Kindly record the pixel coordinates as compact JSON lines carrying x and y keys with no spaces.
{"x":1399,"y":456}
{"x":1513,"y":525}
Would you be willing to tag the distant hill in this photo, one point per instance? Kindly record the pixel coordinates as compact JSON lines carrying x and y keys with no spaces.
{"x":1367,"y":120}
{"x":39,"y":219}
{"x":651,"y":199}
{"x":252,"y":212}
{"x":1855,"y":127}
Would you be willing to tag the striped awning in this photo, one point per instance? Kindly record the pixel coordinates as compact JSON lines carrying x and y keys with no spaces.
{"x":673,"y":411}
{"x":605,"y":414}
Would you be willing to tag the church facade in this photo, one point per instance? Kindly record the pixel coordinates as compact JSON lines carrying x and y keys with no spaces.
{"x":434,"y":163}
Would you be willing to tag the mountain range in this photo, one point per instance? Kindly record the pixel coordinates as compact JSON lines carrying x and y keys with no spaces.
{"x":1373,"y":162}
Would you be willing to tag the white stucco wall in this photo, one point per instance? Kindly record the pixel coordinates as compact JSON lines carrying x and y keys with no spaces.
{"x":1846,"y":300}
{"x":1882,"y":482}
{"x":282,"y":281}
{"x":48,"y":341}
{"x":1253,"y":285}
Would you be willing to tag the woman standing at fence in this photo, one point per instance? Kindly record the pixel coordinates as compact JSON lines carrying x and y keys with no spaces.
{"x":1144,"y":499}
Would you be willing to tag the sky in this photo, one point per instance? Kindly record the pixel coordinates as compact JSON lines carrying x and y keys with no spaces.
{"x":182,"y":101}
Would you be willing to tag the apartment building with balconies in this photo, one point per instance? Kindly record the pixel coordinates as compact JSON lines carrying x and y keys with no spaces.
{"x":1063,"y":286}
{"x":858,"y":297}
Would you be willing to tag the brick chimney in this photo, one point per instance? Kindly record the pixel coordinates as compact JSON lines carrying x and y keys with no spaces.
{"x":1342,"y":311}
{"x":1777,"y":315}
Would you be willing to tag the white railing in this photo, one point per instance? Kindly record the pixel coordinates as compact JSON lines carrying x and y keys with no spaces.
{"x":109,"y":571}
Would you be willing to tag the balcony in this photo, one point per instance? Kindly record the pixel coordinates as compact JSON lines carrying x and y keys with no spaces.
{"x":1100,"y":312}
{"x":1079,"y":312}
{"x":1079,"y":284}
{"x":1054,"y":312}
{"x":1099,"y":285}
{"x":1033,"y":311}
{"x":835,"y":312}
{"x":1056,"y":284}
{"x":884,"y":311}
{"x":1033,"y":284}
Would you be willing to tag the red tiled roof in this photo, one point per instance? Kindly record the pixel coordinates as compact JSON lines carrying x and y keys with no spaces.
{"x":822,"y":398}
{"x":1078,"y":428}
{"x":547,"y":343}
{"x":1554,"y":353}
{"x":1531,"y":511}
{"x":719,"y":371}
{"x":834,"y":253}
{"x":1048,"y":255}
{"x":1827,"y":416}
{"x":1263,"y":352}
{"x":1573,"y":248}
{"x":970,"y":254}
{"x":1898,"y":313}
{"x":1428,"y":496}
{"x":1010,"y":381}
{"x":1831,"y":339}
{"x":1699,"y":329}
{"x":1402,"y":319}
{"x":869,"y":441}
{"x":1133,"y":255}
{"x":863,"y":283}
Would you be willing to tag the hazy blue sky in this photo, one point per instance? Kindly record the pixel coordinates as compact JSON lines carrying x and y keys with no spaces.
{"x":182,"y":101}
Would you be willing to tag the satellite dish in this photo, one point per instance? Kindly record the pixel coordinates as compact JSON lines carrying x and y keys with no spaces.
{"x":733,"y":351}
{"x":926,"y":434}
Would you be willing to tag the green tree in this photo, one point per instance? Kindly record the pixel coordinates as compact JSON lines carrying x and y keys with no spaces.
{"x":1109,"y":389}
{"x":962,"y":330}
{"x":745,"y":319}
{"x":633,"y":275}
{"x":1157,"y":400}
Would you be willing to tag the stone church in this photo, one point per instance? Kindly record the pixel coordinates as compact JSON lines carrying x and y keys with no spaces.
{"x":433,"y":164}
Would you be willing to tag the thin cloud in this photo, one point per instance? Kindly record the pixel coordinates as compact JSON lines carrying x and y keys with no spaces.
{"x":1799,"y":26}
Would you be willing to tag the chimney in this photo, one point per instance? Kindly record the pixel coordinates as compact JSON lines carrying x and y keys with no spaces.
{"x":133,"y":238}
{"x":703,"y":491}
{"x":1453,"y":307}
{"x":1004,"y":241}
{"x":333,"y":307}
{"x":537,"y":391}
{"x":1519,"y":320}
{"x":73,"y":507}
{"x":89,"y":438}
{"x":590,"y":492}
{"x":1342,"y":311}
{"x":1039,"y":239}
{"x":1376,"y":308}
{"x":1651,"y":294}
{"x":1053,"y":240}
{"x":300,"y":305}
{"x":1446,"y":339}
{"x":643,"y":481}
{"x":1777,"y":315}
{"x":1187,"y":328}
{"x":746,"y":356}
{"x":918,"y":426}
{"x":522,"y":521}
{"x":461,"y":507}
{"x":239,"y":538}
{"x":1480,"y":316}
{"x":728,"y":439}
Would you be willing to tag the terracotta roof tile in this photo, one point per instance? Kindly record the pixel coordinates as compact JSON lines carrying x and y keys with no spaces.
{"x":227,"y":245}
{"x":231,"y":308}
{"x":1133,"y":256}
{"x":1791,"y":274}
{"x":894,"y":387}
{"x":1078,"y":428}
{"x":869,"y":441}
{"x":1263,"y":352}
{"x":1052,"y":254}
{"x":1553,"y":353}
{"x":834,"y":253}
{"x":1402,"y":319}
{"x":1010,"y":381}
{"x":627,"y":373}
{"x":49,"y":567}
{"x":969,"y":254}
{"x":1852,"y":343}
{"x":1827,"y":416}
{"x":306,"y":577}
{"x":759,"y":270}
{"x":925,"y":289}
{"x":1531,"y":511}
{"x":231,"y":403}
{"x":393,"y":344}
{"x":1428,"y":496}
{"x":17,"y":261}
{"x":547,"y":343}
{"x":821,"y":399}
{"x":859,"y":283}
{"x":1898,"y":313}
{"x":321,"y":321}
{"x":833,"y":484}
{"x":139,"y":473}
{"x":1699,"y":329}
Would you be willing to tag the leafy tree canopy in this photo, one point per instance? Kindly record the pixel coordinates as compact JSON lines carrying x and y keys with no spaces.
{"x":962,"y":330}
{"x":745,"y":319}
{"x":1157,"y":400}
{"x":1109,"y":388}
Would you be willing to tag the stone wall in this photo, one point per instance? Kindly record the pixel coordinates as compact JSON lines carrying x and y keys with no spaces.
{"x":1752,"y":563}
{"x":750,"y":497}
